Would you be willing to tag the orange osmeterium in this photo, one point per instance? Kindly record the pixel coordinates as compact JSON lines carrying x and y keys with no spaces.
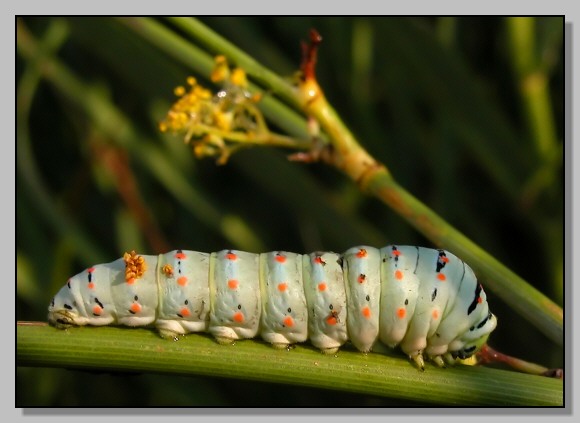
{"x":135,"y":266}
{"x":167,"y":270}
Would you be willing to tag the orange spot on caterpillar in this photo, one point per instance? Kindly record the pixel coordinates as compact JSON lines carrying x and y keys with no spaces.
{"x":479,"y":300}
{"x":318,"y":260}
{"x":91,"y":285}
{"x":184,"y":312}
{"x":401,"y":312}
{"x":182,"y":281}
{"x":396,"y":253}
{"x":361,"y":253}
{"x":135,"y":307}
{"x":288,"y":321}
{"x":435,"y":314}
{"x":441,"y":277}
{"x":180,"y":256}
{"x":398,"y":275}
{"x":233,"y":284}
{"x":231,"y":256}
{"x":238,"y":317}
{"x":282,"y":287}
{"x":444,"y":259}
{"x":332,"y":319}
{"x":366,"y":312}
{"x":322,"y":286}
{"x":361,"y":278}
{"x":97,"y":310}
{"x":131,"y":281}
{"x":91,"y":269}
{"x":167,"y":270}
{"x":280,"y":258}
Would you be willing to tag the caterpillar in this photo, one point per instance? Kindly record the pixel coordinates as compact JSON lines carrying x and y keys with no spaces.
{"x":427,"y":302}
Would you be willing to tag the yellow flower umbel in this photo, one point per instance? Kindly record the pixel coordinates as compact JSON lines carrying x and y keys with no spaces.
{"x":221,"y":123}
{"x":217,"y":124}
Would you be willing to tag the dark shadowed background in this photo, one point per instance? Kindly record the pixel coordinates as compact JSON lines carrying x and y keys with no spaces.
{"x":449,"y":105}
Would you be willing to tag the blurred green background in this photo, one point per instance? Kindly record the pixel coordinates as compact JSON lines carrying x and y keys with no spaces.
{"x":467,"y":113}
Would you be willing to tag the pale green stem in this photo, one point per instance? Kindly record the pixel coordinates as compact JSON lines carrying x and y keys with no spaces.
{"x":374,"y":374}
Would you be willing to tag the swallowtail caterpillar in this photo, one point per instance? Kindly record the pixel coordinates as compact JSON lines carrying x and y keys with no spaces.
{"x":427,"y":302}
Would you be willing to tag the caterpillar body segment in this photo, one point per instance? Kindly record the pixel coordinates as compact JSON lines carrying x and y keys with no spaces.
{"x":362,"y":280}
{"x":235,"y":295}
{"x":285,"y":313}
{"x":326,"y":299}
{"x":426,"y":302}
{"x":186,"y":303}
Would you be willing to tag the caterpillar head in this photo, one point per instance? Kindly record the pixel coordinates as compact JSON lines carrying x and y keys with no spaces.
{"x":475,"y":339}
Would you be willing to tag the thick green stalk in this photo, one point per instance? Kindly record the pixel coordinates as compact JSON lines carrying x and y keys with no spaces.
{"x":123,"y":349}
